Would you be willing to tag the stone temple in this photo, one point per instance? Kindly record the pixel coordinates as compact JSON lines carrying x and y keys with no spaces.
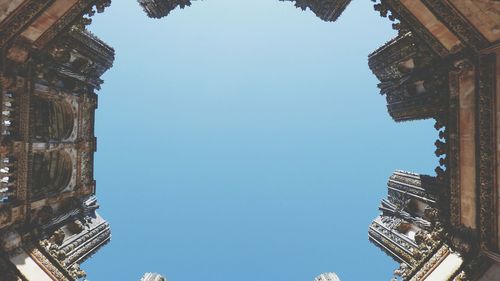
{"x":444,"y":64}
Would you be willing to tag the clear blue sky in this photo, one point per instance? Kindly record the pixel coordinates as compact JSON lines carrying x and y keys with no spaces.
{"x":246,"y":141}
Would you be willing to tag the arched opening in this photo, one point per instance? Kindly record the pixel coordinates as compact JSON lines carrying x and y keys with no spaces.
{"x":52,"y":172}
{"x":53,"y":120}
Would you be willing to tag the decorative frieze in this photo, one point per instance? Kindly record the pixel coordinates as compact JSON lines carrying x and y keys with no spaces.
{"x":450,"y":17}
{"x":395,"y":10}
{"x":76,"y":11}
{"x":51,"y":266}
{"x":21,"y":18}
{"x":486,"y":160}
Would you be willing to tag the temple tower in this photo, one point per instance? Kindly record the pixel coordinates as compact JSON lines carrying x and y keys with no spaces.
{"x":49,"y":76}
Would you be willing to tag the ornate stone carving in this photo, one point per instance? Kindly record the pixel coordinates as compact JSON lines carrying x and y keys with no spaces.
{"x":414,"y":85}
{"x":161,"y":8}
{"x":76,"y":226}
{"x":487,"y":148}
{"x":76,"y":271}
{"x":327,"y":10}
{"x":51,"y":266}
{"x":58,"y":237}
{"x":394,"y":9}
{"x":64,"y":63}
{"x":429,"y":265}
{"x":449,"y":16}
{"x":81,"y":7}
{"x":453,"y":141}
{"x":16,"y":22}
{"x":86,"y":244}
{"x":410,"y":228}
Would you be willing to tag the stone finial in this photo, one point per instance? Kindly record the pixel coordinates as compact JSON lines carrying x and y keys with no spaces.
{"x":161,"y":8}
{"x":329,"y":276}
{"x":153,"y":277}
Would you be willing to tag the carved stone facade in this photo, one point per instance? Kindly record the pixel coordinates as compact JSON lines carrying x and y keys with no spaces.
{"x":413,"y":87}
{"x":410,"y":227}
{"x":444,"y":64}
{"x":49,"y":73}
